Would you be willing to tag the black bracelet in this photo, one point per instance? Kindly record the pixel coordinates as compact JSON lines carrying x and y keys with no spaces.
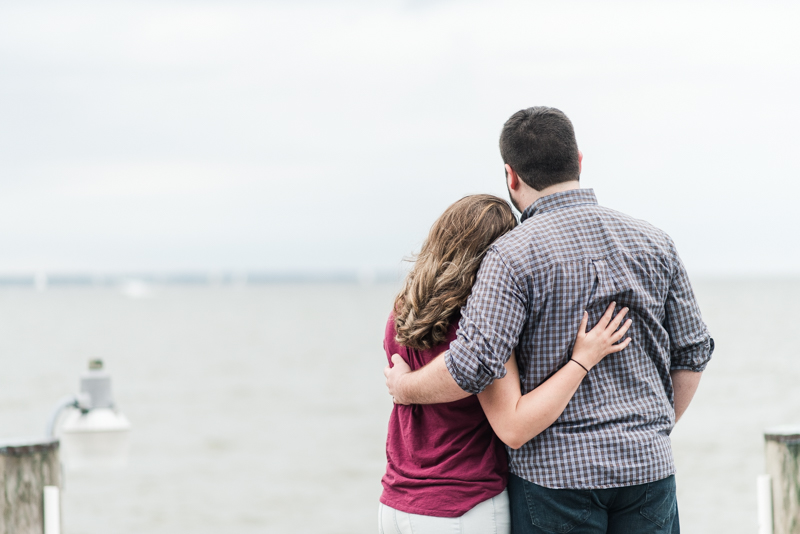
{"x":579,"y":363}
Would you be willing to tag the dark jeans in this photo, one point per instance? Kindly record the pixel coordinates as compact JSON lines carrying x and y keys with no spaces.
{"x":629,"y":510}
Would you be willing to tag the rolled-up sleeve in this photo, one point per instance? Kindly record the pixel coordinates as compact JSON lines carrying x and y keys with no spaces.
{"x":491,"y":322}
{"x":691,"y":345}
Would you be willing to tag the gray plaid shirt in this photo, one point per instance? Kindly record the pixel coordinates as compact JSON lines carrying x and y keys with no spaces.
{"x":567,"y":256}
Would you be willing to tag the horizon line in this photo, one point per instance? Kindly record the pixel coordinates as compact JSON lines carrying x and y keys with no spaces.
{"x":43,"y":279}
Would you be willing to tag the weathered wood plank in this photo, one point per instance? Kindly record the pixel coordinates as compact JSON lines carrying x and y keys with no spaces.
{"x":783,"y":465}
{"x":26,"y":467}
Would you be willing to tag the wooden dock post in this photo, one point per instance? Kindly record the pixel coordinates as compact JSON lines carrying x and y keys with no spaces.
{"x":783,"y":465}
{"x":26,"y":467}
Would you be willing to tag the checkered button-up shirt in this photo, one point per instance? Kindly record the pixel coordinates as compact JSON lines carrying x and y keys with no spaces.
{"x":567,"y":256}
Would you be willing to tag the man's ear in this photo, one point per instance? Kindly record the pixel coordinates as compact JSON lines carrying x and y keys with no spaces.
{"x":512,"y":178}
{"x":580,"y":161}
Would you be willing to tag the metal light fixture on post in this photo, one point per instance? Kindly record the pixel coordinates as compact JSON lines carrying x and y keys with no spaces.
{"x":93,"y":433}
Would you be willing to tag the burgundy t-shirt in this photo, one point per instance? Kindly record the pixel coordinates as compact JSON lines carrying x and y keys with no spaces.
{"x":442,"y":459}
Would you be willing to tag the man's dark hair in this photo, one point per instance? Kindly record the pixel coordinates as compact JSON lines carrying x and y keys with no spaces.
{"x":539,"y":144}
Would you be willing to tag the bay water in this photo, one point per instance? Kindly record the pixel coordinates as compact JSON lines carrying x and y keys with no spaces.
{"x":262,"y":408}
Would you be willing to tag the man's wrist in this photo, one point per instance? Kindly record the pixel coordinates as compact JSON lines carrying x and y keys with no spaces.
{"x":401,"y":389}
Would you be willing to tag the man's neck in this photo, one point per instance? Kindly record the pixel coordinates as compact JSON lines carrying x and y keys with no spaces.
{"x":532,"y":195}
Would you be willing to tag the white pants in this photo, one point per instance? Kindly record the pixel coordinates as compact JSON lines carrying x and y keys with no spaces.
{"x":491,"y":516}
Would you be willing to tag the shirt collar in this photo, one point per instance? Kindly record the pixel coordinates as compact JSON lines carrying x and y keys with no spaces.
{"x":556,"y":201}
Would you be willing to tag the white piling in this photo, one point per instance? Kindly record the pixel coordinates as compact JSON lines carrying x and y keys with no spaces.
{"x":52,"y":510}
{"x":764,"y":486}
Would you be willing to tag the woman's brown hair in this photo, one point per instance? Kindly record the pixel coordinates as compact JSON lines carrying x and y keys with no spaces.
{"x":441,"y":280}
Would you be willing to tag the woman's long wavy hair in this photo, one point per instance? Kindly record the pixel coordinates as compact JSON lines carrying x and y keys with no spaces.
{"x":444,"y":270}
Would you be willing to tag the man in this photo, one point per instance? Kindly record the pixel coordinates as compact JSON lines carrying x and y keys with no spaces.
{"x":606,"y":464}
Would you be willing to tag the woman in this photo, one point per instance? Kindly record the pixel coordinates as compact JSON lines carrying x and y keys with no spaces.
{"x":446,"y":468}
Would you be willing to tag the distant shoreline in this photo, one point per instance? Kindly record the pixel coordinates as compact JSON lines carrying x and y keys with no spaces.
{"x":200,"y":278}
{"x":42,"y":281}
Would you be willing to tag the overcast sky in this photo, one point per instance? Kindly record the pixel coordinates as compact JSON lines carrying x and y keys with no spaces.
{"x":234,"y":135}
